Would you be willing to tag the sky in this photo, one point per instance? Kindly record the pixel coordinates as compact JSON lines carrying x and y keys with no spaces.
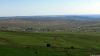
{"x":48,"y":7}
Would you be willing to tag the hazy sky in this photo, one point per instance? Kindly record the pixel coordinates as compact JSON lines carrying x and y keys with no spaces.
{"x":48,"y":7}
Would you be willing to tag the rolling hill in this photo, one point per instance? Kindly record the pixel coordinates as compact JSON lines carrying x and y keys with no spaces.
{"x":49,"y":35}
{"x":61,"y":23}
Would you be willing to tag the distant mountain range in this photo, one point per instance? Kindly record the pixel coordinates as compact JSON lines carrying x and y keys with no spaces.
{"x":57,"y":17}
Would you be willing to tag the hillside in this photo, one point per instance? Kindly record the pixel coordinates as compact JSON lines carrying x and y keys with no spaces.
{"x":78,"y":40}
{"x":49,"y":36}
{"x":61,"y":44}
{"x":51,"y":23}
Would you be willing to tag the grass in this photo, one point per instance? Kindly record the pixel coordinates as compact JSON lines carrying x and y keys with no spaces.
{"x":78,"y":40}
{"x":34,"y":44}
{"x":41,"y":51}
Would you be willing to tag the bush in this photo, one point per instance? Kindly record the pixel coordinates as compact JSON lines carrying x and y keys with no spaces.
{"x":72,"y":47}
{"x":48,"y":45}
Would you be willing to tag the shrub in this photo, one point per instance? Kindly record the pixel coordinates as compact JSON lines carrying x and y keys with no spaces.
{"x":48,"y":45}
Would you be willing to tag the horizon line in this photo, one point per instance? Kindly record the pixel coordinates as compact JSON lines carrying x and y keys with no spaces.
{"x":50,"y":15}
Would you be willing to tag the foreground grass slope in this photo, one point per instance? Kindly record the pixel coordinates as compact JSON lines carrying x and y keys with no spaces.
{"x":78,"y":40}
{"x":34,"y":44}
{"x":43,"y":51}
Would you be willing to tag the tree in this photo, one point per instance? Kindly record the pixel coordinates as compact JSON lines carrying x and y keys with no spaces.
{"x":29,"y":29}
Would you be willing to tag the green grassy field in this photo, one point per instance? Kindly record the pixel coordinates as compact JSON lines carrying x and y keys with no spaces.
{"x":62,"y":44}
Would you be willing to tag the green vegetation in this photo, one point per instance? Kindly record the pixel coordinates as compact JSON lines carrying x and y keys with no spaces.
{"x":48,"y":44}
